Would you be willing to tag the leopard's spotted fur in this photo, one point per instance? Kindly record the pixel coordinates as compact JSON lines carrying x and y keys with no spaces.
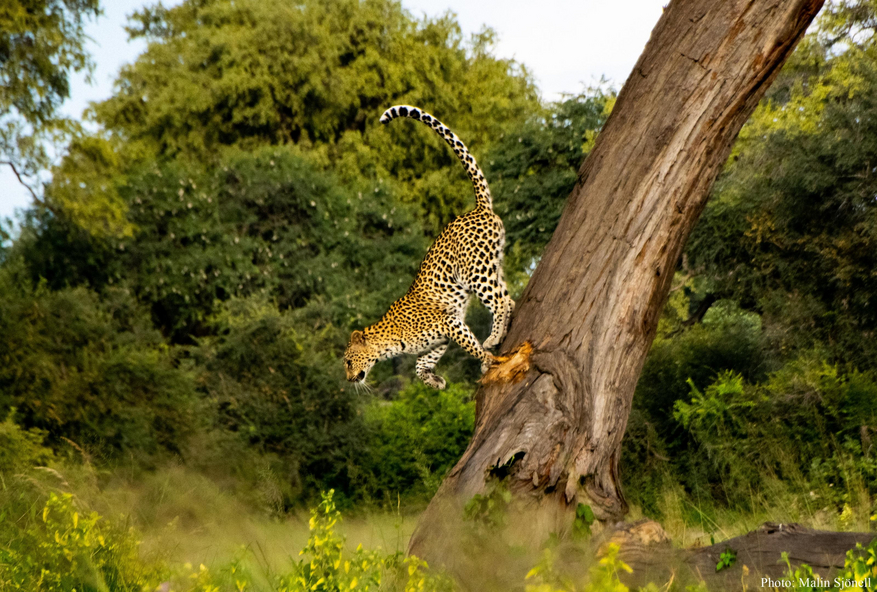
{"x":465,"y":259}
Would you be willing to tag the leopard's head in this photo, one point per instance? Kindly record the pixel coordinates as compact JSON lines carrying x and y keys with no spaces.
{"x":359,"y":357}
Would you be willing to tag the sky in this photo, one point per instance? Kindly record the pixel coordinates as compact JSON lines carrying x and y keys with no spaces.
{"x":565,"y":44}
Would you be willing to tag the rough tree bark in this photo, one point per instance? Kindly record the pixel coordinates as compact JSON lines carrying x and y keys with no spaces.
{"x":591,"y":308}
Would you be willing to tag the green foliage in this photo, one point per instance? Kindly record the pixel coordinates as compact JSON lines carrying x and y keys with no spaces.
{"x":581,"y":526}
{"x":65,"y":548}
{"x":533,"y":169}
{"x":727,"y":339}
{"x":41,"y":43}
{"x":657,"y":449}
{"x":415,"y":440}
{"x":726,"y":559}
{"x":806,"y":420}
{"x":719,"y":411}
{"x":91,"y":370}
{"x":805,"y":423}
{"x":272,"y":382}
{"x":262,"y":222}
{"x":848,"y":22}
{"x":326,"y":568}
{"x":21,"y":449}
{"x":605,"y":575}
{"x":268,"y":222}
{"x":490,"y":509}
{"x":85,"y":187}
{"x":802,"y":577}
{"x":55,"y":249}
{"x":545,"y":577}
{"x":318,"y":74}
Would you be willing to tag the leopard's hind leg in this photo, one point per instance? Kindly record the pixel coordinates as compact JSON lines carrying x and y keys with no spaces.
{"x":494,"y":294}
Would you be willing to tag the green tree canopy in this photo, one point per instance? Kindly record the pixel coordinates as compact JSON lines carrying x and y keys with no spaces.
{"x":318,"y":74}
{"x":41,"y":43}
{"x":533,"y":169}
{"x":242,"y":154}
{"x":791,"y":230}
{"x":268,"y":222}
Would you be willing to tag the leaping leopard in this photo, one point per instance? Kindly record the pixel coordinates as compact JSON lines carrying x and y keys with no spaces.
{"x":465,"y":259}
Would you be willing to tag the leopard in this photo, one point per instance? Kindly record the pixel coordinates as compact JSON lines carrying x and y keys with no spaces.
{"x":466,"y":259}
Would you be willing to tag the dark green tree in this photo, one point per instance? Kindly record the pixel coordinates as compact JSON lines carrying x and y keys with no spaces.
{"x":268,"y":221}
{"x":533,"y":168}
{"x":92,"y":370}
{"x":791,"y":230}
{"x":271,"y":380}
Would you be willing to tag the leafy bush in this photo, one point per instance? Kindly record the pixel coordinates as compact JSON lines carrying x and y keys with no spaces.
{"x":727,"y":339}
{"x":717,"y":412}
{"x":92,"y":370}
{"x":65,"y":548}
{"x":277,"y":386}
{"x":415,"y":440}
{"x":657,"y":450}
{"x":21,"y":449}
{"x":808,"y":421}
{"x":327,"y":568}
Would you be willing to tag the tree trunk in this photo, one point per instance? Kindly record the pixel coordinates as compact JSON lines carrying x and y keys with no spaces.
{"x":591,"y":308}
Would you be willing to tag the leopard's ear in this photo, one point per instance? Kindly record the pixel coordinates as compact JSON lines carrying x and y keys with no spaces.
{"x":358,"y":338}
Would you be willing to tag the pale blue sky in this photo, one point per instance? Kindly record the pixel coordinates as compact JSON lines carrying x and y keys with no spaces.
{"x":564,"y":43}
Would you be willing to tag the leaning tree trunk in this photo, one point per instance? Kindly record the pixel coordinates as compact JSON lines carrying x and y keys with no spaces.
{"x":592,"y":306}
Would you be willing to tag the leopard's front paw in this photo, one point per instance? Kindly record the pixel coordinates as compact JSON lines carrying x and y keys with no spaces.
{"x":435,"y":381}
{"x":488,"y":361}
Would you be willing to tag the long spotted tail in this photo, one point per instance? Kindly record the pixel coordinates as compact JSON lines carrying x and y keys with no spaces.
{"x":482,"y":191}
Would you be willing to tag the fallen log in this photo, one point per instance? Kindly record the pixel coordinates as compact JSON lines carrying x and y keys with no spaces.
{"x":758,"y":564}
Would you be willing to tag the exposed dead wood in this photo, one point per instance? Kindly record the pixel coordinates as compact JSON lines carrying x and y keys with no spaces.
{"x":511,"y":368}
